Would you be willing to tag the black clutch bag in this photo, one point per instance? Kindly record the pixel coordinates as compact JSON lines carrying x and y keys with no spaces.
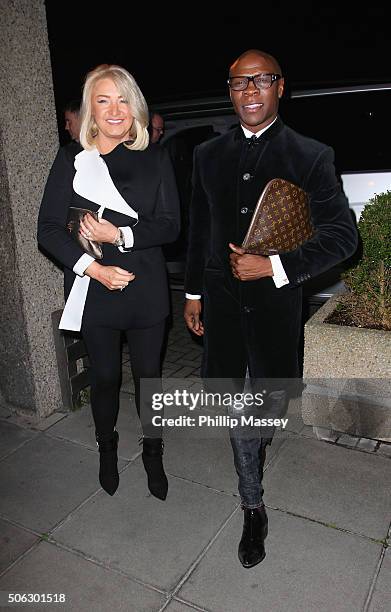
{"x":75,"y":215}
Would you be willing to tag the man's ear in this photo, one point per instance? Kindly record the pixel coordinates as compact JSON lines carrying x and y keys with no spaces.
{"x":281,"y":83}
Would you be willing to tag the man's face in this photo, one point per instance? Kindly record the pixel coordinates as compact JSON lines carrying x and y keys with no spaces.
{"x":256,"y":108}
{"x":72,"y":124}
{"x":157,"y":125}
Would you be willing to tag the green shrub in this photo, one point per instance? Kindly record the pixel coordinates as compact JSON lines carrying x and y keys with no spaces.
{"x":368,"y":303}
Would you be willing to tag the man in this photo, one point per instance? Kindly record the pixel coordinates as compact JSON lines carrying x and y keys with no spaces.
{"x":72,"y":119}
{"x":156,"y":127}
{"x":252,"y":304}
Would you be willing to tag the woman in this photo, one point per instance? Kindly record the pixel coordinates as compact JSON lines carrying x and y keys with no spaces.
{"x":132,"y":188}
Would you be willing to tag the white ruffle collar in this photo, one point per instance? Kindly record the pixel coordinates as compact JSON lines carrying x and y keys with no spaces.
{"x":93,"y":182}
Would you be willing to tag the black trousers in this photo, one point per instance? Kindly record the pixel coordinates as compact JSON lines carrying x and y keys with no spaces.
{"x":104,"y":351}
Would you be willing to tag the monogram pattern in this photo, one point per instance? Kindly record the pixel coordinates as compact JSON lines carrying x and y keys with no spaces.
{"x":281,"y":221}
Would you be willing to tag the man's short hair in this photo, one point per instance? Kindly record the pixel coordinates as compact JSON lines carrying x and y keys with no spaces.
{"x":73,"y":106}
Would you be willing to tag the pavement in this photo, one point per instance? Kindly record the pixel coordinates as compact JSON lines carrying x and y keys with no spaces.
{"x":62,"y":536}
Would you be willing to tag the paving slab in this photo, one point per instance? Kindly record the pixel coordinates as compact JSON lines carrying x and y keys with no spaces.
{"x":46,"y":478}
{"x":204,"y":455}
{"x":381,"y":597}
{"x":170,"y":369}
{"x":151,"y":540}
{"x":348,"y":440}
{"x":385,"y":449}
{"x":179,"y":606}
{"x":308,"y":567}
{"x":5,"y":410}
{"x":208,"y":461}
{"x":12,"y":436}
{"x":127,"y":383}
{"x":367,"y":444}
{"x":46,"y":423}
{"x":311,"y":432}
{"x":86,"y":585}
{"x":293,"y":414}
{"x":325,"y":434}
{"x":348,"y":488}
{"x":79,"y":427}
{"x":14,"y":541}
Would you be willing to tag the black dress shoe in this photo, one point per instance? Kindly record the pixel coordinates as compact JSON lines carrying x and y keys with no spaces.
{"x":251,"y":547}
{"x":153,"y":463}
{"x":108,"y":468}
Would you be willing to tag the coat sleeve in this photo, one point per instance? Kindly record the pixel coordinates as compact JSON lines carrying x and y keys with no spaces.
{"x":53,"y":236}
{"x":335,"y":236}
{"x":163,"y":225}
{"x":199,"y":229}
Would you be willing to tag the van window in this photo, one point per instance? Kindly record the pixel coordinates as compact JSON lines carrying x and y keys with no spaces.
{"x":357,"y":126}
{"x":180,"y":147}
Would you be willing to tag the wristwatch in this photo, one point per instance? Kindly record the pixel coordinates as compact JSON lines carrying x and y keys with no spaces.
{"x":120,"y":240}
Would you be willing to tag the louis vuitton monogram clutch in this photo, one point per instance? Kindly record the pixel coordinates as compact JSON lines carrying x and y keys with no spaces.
{"x":281,"y":221}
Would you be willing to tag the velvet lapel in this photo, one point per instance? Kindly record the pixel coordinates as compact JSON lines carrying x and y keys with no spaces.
{"x":230,"y":159}
{"x":233,"y":152}
{"x":227,"y":160}
{"x":262,"y":167}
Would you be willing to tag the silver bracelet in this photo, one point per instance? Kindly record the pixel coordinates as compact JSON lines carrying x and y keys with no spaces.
{"x":120,"y":240}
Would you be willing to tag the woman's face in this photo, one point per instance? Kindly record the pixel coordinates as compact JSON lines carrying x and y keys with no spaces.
{"x":112,"y":115}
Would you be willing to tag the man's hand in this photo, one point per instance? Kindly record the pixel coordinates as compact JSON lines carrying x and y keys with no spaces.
{"x":100,"y":231}
{"x":112,"y":277}
{"x":192,"y":314}
{"x":247,"y":267}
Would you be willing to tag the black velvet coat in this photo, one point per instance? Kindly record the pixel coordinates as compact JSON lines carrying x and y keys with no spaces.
{"x":253,"y":323}
{"x":146,"y":180}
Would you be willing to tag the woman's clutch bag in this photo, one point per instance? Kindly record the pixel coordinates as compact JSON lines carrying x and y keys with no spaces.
{"x":281,"y":221}
{"x":75,"y":215}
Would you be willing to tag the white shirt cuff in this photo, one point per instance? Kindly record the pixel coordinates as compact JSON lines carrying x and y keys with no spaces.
{"x":279,"y":275}
{"x":82,"y":264}
{"x":191,"y":296}
{"x":127,"y":233}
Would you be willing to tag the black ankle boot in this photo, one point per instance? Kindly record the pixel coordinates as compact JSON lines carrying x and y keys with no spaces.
{"x":108,"y":470}
{"x":153,"y":464}
{"x":251,"y":547}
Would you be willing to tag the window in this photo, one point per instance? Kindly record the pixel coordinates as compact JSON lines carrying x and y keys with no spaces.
{"x":356,"y":125}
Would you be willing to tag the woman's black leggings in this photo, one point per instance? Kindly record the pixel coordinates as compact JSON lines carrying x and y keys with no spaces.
{"x":104,"y":351}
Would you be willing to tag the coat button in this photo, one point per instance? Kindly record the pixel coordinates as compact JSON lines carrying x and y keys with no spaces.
{"x":246,"y":176}
{"x":244,"y":210}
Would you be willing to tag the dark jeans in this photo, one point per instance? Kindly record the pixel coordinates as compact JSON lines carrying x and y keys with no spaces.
{"x":249,"y":447}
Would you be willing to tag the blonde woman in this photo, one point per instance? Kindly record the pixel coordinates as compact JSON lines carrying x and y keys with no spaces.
{"x":131,"y":187}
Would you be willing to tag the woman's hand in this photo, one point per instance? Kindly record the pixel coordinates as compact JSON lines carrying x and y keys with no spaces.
{"x":111,"y":277}
{"x":100,"y":231}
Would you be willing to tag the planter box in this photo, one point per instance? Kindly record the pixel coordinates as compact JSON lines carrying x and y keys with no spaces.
{"x":347,"y":376}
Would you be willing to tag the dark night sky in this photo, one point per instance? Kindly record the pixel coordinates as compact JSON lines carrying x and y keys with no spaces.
{"x":192,"y":57}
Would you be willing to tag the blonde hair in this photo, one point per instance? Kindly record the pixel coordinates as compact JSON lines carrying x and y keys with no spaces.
{"x":127,"y":88}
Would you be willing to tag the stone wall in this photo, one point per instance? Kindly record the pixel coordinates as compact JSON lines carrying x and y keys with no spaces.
{"x":31,"y":286}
